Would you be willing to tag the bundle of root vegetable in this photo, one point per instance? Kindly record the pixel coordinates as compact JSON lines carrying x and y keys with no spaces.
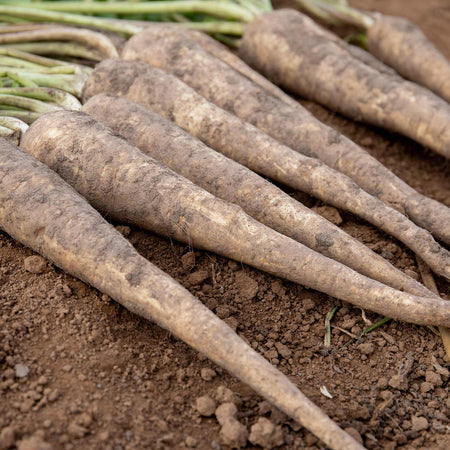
{"x":225,"y":207}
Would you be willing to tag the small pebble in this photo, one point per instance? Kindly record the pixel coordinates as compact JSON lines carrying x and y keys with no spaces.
{"x":21,"y":370}
{"x":205,"y":406}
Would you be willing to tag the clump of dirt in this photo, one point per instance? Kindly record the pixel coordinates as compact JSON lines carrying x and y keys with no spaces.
{"x":79,"y":371}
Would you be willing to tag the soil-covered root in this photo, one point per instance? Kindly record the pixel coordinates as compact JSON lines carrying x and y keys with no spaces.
{"x":295,"y":127}
{"x":41,"y":211}
{"x":248,"y":145}
{"x":399,"y":43}
{"x":128,"y":186}
{"x":221,"y":52}
{"x":287,"y":47}
{"x":163,"y":140}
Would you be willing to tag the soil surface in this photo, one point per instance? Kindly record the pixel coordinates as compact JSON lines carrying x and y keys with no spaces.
{"x":77,"y":371}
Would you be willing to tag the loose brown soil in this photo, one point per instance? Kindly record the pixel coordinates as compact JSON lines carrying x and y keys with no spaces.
{"x":79,"y":371}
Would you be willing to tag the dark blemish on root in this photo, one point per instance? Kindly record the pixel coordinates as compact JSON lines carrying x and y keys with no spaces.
{"x":333,"y":137}
{"x":324,"y":240}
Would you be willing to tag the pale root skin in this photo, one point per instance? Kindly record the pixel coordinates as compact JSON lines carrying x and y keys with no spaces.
{"x":171,"y":98}
{"x":41,"y":211}
{"x":400,"y":44}
{"x":161,"y":139}
{"x":221,"y":52}
{"x":295,"y":127}
{"x":287,"y":47}
{"x":122,"y":182}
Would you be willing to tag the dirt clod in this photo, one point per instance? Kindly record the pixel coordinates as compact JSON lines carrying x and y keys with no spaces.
{"x":197,"y":277}
{"x":7,"y":437}
{"x":225,"y":395}
{"x":35,"y":264}
{"x":419,"y":423}
{"x":367,"y":348}
{"x":265,"y":434}
{"x":354,"y":433}
{"x":248,"y":288}
{"x":34,"y":443}
{"x":225,"y":411}
{"x":399,"y":382}
{"x":208,"y":374}
{"x":205,"y":405}
{"x":233,"y":433}
{"x":330,"y":213}
{"x":188,"y":261}
{"x":433,"y":378}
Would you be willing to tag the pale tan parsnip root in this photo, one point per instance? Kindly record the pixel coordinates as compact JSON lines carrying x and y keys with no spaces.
{"x":128,"y":186}
{"x":161,"y":139}
{"x":170,"y":97}
{"x":399,"y":43}
{"x":44,"y":213}
{"x":295,"y":127}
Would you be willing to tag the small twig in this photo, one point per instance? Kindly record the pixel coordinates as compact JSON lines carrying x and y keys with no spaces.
{"x":364,"y":318}
{"x":348,"y":333}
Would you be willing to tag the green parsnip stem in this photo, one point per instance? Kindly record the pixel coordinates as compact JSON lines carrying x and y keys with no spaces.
{"x":54,"y":96}
{"x":87,"y":38}
{"x":72,"y":84}
{"x":38,"y":61}
{"x":28,"y":104}
{"x":295,"y":127}
{"x":24,"y":116}
{"x":62,"y":49}
{"x":170,"y":97}
{"x":222,"y":9}
{"x":163,"y":140}
{"x":42,"y":212}
{"x":129,"y":186}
